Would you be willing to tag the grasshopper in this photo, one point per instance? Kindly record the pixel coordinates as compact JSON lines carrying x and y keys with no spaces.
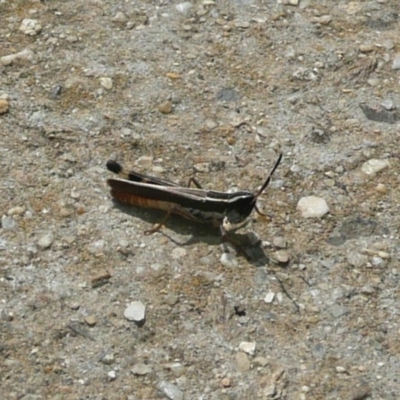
{"x":219,"y":209}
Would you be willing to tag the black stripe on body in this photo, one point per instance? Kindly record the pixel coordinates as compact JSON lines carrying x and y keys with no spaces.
{"x":236,"y":206}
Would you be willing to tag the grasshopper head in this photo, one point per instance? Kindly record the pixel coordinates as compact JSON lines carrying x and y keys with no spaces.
{"x":242,"y":206}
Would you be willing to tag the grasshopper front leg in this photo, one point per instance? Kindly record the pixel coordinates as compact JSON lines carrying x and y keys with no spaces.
{"x":224,"y":227}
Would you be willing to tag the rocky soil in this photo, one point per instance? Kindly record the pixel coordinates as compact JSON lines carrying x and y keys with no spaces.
{"x":91,"y":308}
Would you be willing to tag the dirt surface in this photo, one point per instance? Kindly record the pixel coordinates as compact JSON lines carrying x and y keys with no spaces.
{"x":216,"y":90}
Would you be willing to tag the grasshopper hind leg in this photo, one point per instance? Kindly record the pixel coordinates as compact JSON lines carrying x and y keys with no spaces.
{"x":159,"y":225}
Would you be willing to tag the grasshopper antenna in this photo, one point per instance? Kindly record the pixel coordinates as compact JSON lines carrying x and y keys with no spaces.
{"x":266,"y":183}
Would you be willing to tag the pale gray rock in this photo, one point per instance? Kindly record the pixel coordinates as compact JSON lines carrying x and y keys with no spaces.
{"x":281,"y":257}
{"x":46,"y":241}
{"x":279,"y":242}
{"x":108,"y":359}
{"x":269,"y":298}
{"x":106,"y":82}
{"x":261,"y":361}
{"x":30,"y":27}
{"x":374,"y":166}
{"x":98,"y":247}
{"x":396,"y":62}
{"x":135,"y":311}
{"x":242,"y":362}
{"x":25,"y":54}
{"x":8,"y":223}
{"x":356,"y":259}
{"x":112,"y":375}
{"x":229,"y":260}
{"x":248,"y":347}
{"x":312,"y":207}
{"x":184,"y":7}
{"x":170,"y":390}
{"x":141,"y":369}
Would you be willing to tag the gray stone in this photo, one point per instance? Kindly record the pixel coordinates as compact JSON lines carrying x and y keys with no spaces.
{"x":176,"y":368}
{"x":374,"y":166}
{"x":279,"y":242}
{"x":141,"y":369}
{"x":312,"y":207}
{"x":260,"y":361}
{"x":25,"y":54}
{"x":242,"y":362}
{"x":108,"y":359}
{"x":396,"y":62}
{"x":135,"y":311}
{"x":248,"y":347}
{"x":388,"y":105}
{"x":112,"y":375}
{"x":30,"y":27}
{"x":269,"y":297}
{"x":377,"y":261}
{"x":98,"y":247}
{"x":106,"y":82}
{"x":338,"y":310}
{"x":184,"y":7}
{"x":356,"y":259}
{"x":170,"y":390}
{"x":281,"y":257}
{"x":8,"y":223}
{"x":229,"y":260}
{"x":46,"y":241}
{"x":119,"y":17}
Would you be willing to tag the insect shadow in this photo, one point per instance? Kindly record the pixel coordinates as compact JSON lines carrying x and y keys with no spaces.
{"x":197,"y":232}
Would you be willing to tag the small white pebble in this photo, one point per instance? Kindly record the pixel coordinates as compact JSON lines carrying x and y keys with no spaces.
{"x":144,"y":161}
{"x":16,"y":210}
{"x":112,"y":375}
{"x":269,"y":298}
{"x":135,"y":311}
{"x":376,"y":261}
{"x":384,"y":255}
{"x":374,"y":166}
{"x":381,"y":188}
{"x":248,"y":347}
{"x":46,"y":241}
{"x":30,"y":27}
{"x":106,"y":82}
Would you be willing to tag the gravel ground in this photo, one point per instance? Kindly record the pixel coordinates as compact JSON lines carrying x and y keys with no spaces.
{"x":216,"y":90}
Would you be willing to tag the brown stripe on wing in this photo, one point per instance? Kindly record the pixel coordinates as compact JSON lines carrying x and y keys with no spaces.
{"x":140,"y":201}
{"x":135,"y":200}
